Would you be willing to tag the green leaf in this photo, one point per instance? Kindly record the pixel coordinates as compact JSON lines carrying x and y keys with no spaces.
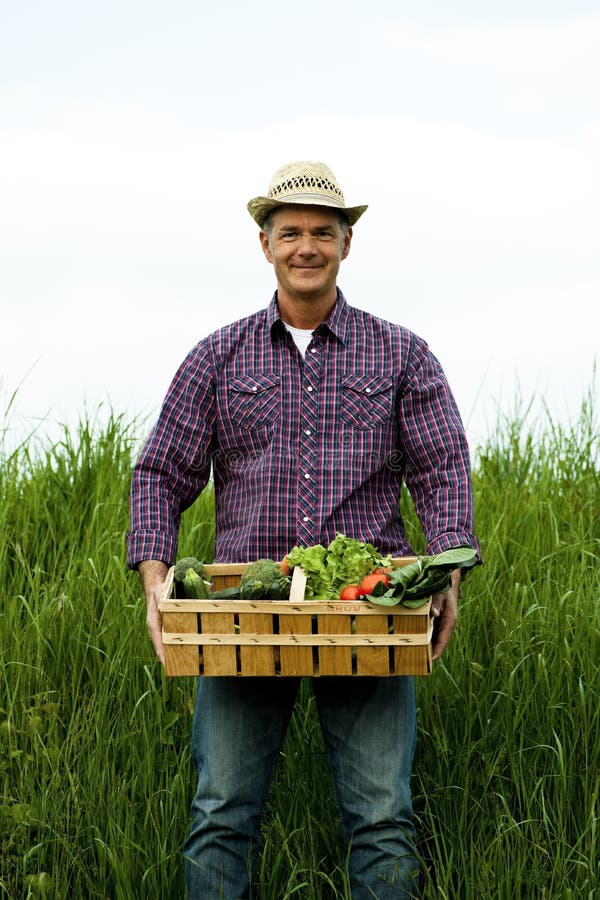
{"x":412,"y":585}
{"x":415,"y":603}
{"x":457,"y":558}
{"x":388,"y":599}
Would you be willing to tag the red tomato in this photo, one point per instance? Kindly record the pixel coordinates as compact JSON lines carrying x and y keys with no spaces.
{"x":350,"y":592}
{"x":369,"y":581}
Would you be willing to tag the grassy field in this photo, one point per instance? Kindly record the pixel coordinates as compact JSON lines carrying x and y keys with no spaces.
{"x":95,"y":775}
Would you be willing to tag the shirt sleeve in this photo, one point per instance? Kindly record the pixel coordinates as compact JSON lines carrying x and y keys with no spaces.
{"x":175,"y":464}
{"x":434,"y":445}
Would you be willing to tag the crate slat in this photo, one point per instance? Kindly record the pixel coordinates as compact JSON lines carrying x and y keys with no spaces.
{"x":373,"y":660}
{"x":267,"y":639}
{"x":220,"y":659}
{"x":182,"y":660}
{"x":296,"y":658}
{"x":257,"y":658}
{"x":407,"y":661}
{"x":285,"y":608}
{"x":335,"y":659}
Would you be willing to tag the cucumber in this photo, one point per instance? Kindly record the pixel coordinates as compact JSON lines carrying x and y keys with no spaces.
{"x":230,"y":593}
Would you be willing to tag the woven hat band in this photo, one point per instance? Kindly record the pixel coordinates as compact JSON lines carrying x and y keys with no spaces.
{"x":310,"y":199}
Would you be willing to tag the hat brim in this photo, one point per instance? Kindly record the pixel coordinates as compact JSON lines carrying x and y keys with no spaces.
{"x":260,"y":207}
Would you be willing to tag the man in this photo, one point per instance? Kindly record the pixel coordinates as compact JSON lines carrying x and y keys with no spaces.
{"x":308,"y":414}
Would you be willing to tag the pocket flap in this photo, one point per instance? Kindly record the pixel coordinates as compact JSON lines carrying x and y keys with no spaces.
{"x":252,"y":383}
{"x":369,"y":384}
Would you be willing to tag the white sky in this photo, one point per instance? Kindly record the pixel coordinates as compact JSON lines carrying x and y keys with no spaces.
{"x":132,"y":135}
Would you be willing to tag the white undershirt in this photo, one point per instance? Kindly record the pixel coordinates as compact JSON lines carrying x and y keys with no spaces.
{"x":302,"y":337}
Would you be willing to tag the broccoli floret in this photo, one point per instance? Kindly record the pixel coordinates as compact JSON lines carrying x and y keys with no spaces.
{"x":183,"y":566}
{"x":189,"y":575}
{"x":264,"y":580}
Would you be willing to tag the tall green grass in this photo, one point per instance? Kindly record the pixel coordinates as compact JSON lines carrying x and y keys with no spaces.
{"x":95,"y":774}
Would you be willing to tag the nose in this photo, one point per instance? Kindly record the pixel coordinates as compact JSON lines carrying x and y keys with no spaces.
{"x":306,"y":245}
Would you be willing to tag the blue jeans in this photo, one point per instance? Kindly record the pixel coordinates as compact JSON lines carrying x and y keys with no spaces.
{"x":369,"y":726}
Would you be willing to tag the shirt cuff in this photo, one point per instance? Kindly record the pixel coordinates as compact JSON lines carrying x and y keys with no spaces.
{"x":142,"y":545}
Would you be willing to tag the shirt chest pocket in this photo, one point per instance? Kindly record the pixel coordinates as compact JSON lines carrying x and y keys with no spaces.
{"x":366,"y":400}
{"x":253,"y":400}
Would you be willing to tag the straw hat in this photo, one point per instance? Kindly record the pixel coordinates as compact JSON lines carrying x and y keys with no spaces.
{"x":305,"y":183}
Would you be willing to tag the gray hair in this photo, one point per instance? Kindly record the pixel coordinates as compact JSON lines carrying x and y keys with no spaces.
{"x":268,"y":224}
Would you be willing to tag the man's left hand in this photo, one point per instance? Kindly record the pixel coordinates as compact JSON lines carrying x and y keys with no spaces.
{"x":444,"y":609}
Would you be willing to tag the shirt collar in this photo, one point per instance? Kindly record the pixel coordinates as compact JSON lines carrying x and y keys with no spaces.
{"x":338,"y":320}
{"x":337,"y":323}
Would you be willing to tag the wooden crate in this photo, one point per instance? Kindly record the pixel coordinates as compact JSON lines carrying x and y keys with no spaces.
{"x":296,"y":637}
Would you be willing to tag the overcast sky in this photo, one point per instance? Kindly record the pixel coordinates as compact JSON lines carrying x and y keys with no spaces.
{"x":132,"y":135}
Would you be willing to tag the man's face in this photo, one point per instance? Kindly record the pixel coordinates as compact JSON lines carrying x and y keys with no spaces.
{"x":306,"y":246}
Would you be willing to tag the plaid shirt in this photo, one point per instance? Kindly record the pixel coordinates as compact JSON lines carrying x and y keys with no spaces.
{"x":300,"y":449}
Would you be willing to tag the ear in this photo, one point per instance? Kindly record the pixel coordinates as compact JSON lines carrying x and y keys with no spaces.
{"x":264,"y":243}
{"x":346,"y":244}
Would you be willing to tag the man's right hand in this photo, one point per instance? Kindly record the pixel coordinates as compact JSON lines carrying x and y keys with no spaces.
{"x":153,"y":574}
